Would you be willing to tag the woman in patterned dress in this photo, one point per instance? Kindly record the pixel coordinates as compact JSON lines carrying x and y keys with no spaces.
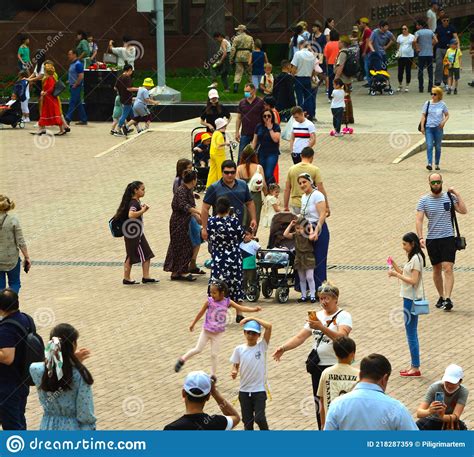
{"x":180,"y":249}
{"x":131,"y":212}
{"x":225,"y":235}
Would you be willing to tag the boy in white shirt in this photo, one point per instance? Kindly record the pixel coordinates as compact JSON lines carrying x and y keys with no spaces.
{"x":337,"y":106}
{"x":303,"y":134}
{"x":251,"y":359}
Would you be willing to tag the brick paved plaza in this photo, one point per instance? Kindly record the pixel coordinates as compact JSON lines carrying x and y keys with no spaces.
{"x":65,"y":196}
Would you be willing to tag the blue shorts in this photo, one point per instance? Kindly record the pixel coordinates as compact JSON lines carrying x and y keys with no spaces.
{"x":195,"y":232}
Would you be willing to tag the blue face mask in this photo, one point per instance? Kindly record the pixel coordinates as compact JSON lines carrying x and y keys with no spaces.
{"x":247,"y":94}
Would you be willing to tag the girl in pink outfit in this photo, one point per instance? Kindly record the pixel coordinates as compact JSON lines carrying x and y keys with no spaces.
{"x":215,"y":308}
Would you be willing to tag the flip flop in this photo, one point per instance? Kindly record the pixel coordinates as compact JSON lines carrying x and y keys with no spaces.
{"x":183,"y":278}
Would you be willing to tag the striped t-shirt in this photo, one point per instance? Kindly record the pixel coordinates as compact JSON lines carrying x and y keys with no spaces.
{"x":302,"y":132}
{"x":438,"y":212}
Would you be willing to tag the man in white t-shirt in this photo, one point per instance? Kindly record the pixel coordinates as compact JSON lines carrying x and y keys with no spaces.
{"x":303,"y":134}
{"x":431,"y":15}
{"x":304,"y":62}
{"x":340,"y":378}
{"x":251,"y":359}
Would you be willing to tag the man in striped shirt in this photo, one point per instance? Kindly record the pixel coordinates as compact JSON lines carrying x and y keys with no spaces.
{"x":440,"y":239}
{"x":303,"y":134}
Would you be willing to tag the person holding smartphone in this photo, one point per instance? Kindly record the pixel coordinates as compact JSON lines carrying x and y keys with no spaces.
{"x":444,"y":402}
{"x":11,"y":243}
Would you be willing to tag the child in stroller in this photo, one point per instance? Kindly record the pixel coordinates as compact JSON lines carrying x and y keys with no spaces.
{"x":201,"y":151}
{"x":10,"y":112}
{"x":380,"y":81}
{"x":200,"y":142}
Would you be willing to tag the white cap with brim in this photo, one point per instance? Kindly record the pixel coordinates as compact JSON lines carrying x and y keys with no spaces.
{"x":453,"y":374}
{"x":197,"y":384}
{"x":221,"y":122}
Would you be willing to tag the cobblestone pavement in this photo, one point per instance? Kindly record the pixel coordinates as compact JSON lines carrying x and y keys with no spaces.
{"x":65,"y":196}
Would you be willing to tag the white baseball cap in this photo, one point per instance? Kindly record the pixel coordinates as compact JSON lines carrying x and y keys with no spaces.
{"x":453,"y":374}
{"x":197,"y":384}
{"x":213,"y":94}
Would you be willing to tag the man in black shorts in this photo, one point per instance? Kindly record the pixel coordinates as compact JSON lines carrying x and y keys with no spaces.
{"x":440,"y":239}
{"x":197,"y":389}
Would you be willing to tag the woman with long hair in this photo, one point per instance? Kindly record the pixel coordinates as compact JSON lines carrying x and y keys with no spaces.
{"x":64,"y":383}
{"x":411,"y":288}
{"x":295,"y":41}
{"x":213,"y":110}
{"x":246,"y":169}
{"x":130,"y":213}
{"x":329,"y":25}
{"x":182,"y":165}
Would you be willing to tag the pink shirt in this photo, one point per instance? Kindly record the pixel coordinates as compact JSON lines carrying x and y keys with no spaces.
{"x":216,"y":315}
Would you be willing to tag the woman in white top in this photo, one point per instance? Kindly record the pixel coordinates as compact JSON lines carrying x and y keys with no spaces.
{"x":127,"y":54}
{"x":314,"y":209}
{"x":405,"y":53}
{"x":330,"y":323}
{"x":328,"y":26}
{"x":411,"y":277}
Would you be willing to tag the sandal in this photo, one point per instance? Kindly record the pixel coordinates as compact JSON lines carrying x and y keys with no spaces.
{"x":183,"y":278}
{"x":60,"y":133}
{"x":197,"y":271}
{"x":126,"y":282}
{"x":147,"y":280}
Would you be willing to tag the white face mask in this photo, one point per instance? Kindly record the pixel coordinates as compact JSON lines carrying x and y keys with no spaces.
{"x":450,"y":392}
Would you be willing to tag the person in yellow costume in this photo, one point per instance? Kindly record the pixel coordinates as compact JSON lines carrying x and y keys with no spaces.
{"x":217,"y":151}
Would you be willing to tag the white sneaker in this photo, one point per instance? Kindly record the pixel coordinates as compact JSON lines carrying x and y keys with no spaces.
{"x":26,"y":119}
{"x":338,"y":134}
{"x":406,"y":89}
{"x":399,"y":88}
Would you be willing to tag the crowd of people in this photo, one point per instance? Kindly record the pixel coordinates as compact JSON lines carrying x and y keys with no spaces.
{"x":244,"y":195}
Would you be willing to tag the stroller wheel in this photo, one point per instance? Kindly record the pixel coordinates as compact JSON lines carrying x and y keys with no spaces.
{"x":373,"y":92}
{"x":267,"y":291}
{"x":390,"y":92}
{"x":21,"y":124}
{"x":282,"y":294}
{"x":252,"y":293}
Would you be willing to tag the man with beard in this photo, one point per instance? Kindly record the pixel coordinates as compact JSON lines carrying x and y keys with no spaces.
{"x":440,"y":239}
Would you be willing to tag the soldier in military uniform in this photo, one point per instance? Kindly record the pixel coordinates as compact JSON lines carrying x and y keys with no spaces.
{"x":242,"y":47}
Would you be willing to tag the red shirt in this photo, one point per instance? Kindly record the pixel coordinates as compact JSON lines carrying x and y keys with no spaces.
{"x":331,"y":50}
{"x":365,"y":40}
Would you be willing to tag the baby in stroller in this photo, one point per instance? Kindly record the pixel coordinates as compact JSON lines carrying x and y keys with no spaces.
{"x":10,"y":113}
{"x":380,"y":81}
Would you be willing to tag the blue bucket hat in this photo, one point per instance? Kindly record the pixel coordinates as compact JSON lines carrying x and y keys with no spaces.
{"x":253,"y":326}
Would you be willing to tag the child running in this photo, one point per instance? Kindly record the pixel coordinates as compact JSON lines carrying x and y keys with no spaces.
{"x":305,"y":262}
{"x":271,"y":204}
{"x":337,"y":106}
{"x":251,"y":359}
{"x":215,"y":308}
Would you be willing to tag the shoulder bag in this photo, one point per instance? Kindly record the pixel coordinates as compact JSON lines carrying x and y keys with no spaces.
{"x":459,"y":240}
{"x":426,"y":117}
{"x":59,"y":88}
{"x":421,"y":306}
{"x":313,"y":359}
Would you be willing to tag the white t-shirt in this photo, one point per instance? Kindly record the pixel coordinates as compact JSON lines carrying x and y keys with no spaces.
{"x":338,"y":98}
{"x":302,"y":132}
{"x":125,"y":55}
{"x":406,"y":45}
{"x":325,"y":349}
{"x":308,"y":205}
{"x":327,"y":31}
{"x":431,"y":19}
{"x":253,"y":366}
{"x":304,"y":60}
{"x":407,"y":290}
{"x":268,"y":210}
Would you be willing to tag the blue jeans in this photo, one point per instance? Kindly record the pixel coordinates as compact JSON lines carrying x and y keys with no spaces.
{"x":368,"y":77}
{"x":126,"y":110}
{"x":13,"y":278}
{"x":434,"y":137}
{"x":425,"y":61}
{"x":330,"y":79}
{"x":75,"y":102}
{"x":411,"y":329}
{"x":268,"y":161}
{"x":337,"y":114}
{"x":244,"y":141}
{"x":13,"y":400}
{"x":305,"y":95}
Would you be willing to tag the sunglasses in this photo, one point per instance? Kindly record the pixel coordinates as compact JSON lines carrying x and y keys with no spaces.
{"x":229,"y":172}
{"x":404,"y":28}
{"x":267,"y":115}
{"x":433,"y":94}
{"x":436,"y":183}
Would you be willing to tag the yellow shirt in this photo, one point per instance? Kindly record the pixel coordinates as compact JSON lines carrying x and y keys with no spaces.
{"x":293,"y":173}
{"x":453,"y":57}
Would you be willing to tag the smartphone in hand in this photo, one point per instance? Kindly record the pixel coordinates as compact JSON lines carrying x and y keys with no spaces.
{"x":439,"y":396}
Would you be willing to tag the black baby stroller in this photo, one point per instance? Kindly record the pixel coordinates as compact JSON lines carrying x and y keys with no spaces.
{"x":275,"y":264}
{"x":11,"y":115}
{"x":380,"y":77}
{"x":202,"y":172}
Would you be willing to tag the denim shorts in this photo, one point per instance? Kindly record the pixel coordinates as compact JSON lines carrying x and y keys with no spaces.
{"x":195,"y":232}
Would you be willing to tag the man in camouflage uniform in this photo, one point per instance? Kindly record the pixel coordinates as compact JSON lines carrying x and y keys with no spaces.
{"x":242,"y":47}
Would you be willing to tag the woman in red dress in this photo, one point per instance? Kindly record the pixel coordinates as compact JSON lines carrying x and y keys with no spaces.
{"x":50,"y":106}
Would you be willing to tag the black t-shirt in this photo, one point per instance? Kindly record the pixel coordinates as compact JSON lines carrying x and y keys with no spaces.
{"x":201,"y":421}
{"x":284,"y":91}
{"x":445,"y":35}
{"x":123,"y":83}
{"x":12,"y":337}
{"x":211,"y":116}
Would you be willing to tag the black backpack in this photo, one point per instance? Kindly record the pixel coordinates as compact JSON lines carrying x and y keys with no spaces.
{"x":351,"y":67}
{"x":33,"y":347}
{"x":20,"y":90}
{"x":115,"y":226}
